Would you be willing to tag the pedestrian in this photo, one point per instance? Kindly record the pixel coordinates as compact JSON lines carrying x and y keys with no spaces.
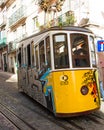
{"x":101,"y":82}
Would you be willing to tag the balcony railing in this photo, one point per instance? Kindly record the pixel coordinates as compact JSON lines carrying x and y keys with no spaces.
{"x":12,"y":44}
{"x":17,"y":15}
{"x":3,"y":41}
{"x":2,"y":20}
{"x":65,"y":19}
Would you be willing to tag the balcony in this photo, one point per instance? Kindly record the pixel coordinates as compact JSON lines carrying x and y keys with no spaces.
{"x":11,"y":47}
{"x":65,"y":19}
{"x":12,"y":44}
{"x":17,"y":17}
{"x":3,"y":41}
{"x":2,"y":20}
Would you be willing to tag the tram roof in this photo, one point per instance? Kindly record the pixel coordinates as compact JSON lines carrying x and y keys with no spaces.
{"x":64,"y":28}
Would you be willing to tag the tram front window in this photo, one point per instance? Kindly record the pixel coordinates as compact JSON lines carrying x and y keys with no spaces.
{"x":80,"y":51}
{"x":60,"y":46}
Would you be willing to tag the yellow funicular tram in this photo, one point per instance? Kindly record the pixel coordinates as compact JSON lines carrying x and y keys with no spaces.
{"x":57,"y":68}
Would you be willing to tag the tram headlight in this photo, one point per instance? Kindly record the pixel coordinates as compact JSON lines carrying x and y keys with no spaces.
{"x":84,"y":90}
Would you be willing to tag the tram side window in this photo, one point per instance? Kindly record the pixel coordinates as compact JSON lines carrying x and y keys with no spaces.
{"x":36,"y":57}
{"x":32,"y":52}
{"x":28,"y":56}
{"x":42,"y":55}
{"x":48,"y":53}
{"x":93,"y":54}
{"x":60,"y":48}
{"x":22,"y":55}
{"x":19,"y":58}
{"x":25,"y":61}
{"x":80,"y":51}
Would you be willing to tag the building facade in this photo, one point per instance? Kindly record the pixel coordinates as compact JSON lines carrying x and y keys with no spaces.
{"x":3,"y":38}
{"x":22,"y":18}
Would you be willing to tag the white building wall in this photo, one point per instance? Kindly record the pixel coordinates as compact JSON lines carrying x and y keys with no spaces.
{"x":97,"y":12}
{"x":92,"y":9}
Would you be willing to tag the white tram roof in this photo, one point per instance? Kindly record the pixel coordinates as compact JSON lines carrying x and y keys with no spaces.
{"x":40,"y":35}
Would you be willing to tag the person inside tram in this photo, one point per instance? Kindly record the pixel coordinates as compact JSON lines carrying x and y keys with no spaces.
{"x":42,"y":65}
{"x":64,"y":60}
{"x":80,"y":48}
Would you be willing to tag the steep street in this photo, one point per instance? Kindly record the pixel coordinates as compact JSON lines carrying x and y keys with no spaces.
{"x":19,"y":112}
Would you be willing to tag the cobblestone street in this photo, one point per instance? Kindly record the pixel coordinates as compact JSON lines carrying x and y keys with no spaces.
{"x":19,"y":112}
{"x":5,"y":124}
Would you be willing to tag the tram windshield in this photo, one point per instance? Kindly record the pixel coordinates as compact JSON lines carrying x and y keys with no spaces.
{"x":60,"y":46}
{"x":80,"y":50}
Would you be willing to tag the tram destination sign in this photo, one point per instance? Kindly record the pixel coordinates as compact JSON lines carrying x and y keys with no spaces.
{"x":100,"y":45}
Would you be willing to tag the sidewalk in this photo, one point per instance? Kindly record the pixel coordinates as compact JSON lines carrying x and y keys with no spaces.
{"x":10,"y":76}
{"x":5,"y":124}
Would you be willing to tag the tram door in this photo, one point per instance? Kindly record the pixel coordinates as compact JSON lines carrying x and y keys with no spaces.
{"x":24,"y":69}
{"x":21,"y":69}
{"x":39,"y":70}
{"x":31,"y":70}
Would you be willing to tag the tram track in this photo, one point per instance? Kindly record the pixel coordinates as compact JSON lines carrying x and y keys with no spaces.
{"x":98,"y":115}
{"x":72,"y":122}
{"x":22,"y":124}
{"x":50,"y":117}
{"x":82,"y":122}
{"x":14,"y":119}
{"x":64,"y":123}
{"x":76,"y":125}
{"x":96,"y":119}
{"x":8,"y":113}
{"x":11,"y":105}
{"x":42,"y":112}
